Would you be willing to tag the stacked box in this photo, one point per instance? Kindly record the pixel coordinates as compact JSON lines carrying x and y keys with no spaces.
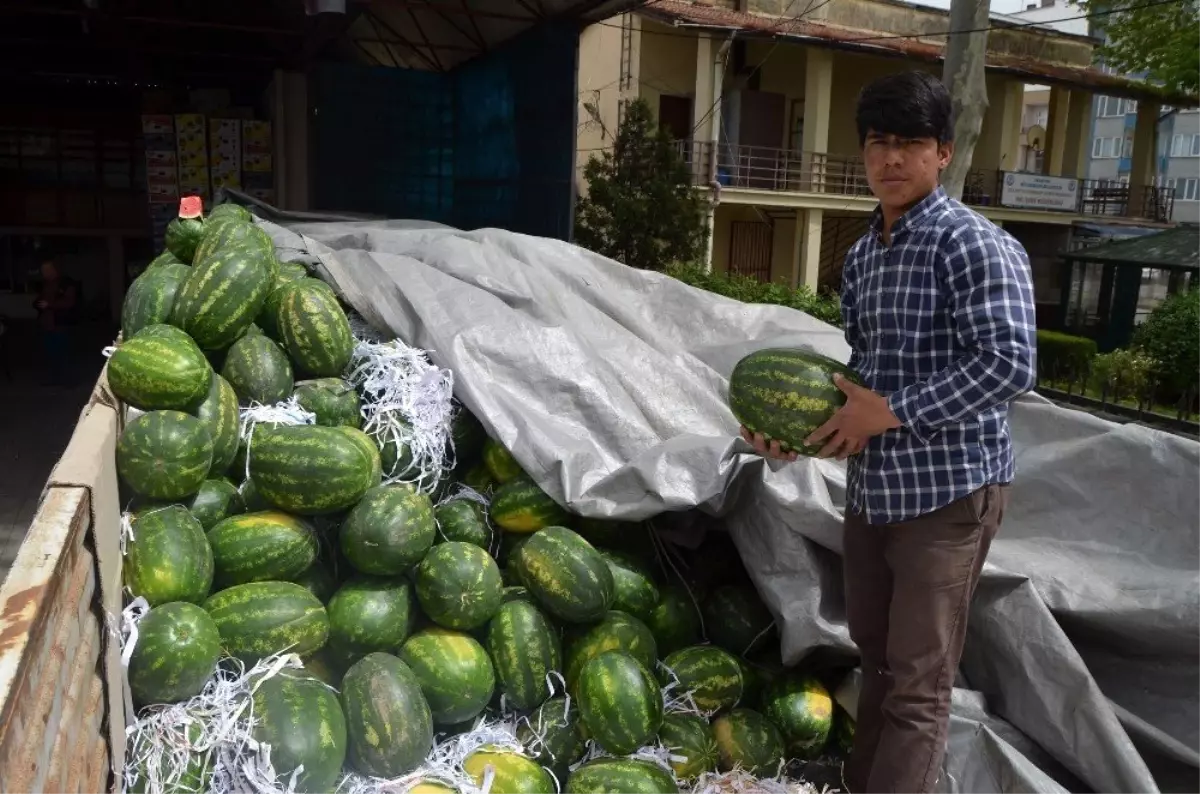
{"x":258,"y":178}
{"x":190,"y":142}
{"x":162,"y":172}
{"x":225,"y":153}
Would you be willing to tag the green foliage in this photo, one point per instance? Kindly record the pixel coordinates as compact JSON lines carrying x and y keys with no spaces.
{"x":825,"y":307}
{"x":1171,"y":336}
{"x":1063,"y":357}
{"x":641,"y":208}
{"x":1124,"y":373}
{"x":1157,"y":39}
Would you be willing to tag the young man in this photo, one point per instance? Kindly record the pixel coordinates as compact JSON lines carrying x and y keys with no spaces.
{"x":939,"y":314}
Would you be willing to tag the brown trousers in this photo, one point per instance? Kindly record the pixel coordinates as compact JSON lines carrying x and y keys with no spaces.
{"x":908,"y":590}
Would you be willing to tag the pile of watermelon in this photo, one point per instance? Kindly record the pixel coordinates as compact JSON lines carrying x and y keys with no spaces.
{"x":420,"y":609}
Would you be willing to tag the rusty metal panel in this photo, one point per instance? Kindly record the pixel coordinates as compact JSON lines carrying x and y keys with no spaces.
{"x":750,"y":249}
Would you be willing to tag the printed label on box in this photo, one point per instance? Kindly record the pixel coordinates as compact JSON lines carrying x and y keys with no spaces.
{"x":157,"y":124}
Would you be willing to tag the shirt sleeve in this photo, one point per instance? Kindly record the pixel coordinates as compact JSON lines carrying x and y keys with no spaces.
{"x":990,"y":296}
{"x":848,"y":299}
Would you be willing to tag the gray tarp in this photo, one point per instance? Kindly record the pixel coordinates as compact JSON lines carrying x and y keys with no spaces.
{"x":609,"y":386}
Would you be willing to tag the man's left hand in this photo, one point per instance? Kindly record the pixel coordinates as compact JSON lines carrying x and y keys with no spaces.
{"x":864,"y":416}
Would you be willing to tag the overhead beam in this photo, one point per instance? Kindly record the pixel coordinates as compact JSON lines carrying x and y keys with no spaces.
{"x":403,"y":41}
{"x":419,"y":5}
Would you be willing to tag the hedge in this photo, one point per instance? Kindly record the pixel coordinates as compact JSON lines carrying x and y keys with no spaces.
{"x":825,"y":307}
{"x":1063,"y":358}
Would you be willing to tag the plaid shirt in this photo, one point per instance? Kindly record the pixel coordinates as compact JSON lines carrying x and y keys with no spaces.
{"x":942,"y":324}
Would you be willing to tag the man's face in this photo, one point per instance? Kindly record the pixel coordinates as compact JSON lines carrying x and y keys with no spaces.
{"x":903,"y":171}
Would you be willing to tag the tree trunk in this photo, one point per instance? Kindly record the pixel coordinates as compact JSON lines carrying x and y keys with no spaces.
{"x":963,"y":74}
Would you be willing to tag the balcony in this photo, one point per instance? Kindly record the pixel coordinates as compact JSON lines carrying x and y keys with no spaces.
{"x":789,"y":170}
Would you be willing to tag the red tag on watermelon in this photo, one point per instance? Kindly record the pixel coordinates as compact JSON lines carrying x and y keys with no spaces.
{"x":191,"y":207}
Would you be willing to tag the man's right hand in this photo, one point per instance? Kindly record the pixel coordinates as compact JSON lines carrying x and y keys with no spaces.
{"x":771,"y":450}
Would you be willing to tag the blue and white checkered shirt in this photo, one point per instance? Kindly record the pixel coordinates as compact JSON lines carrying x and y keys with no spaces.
{"x":942,"y":323}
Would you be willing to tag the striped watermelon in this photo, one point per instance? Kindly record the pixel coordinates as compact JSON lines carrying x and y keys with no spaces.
{"x":800,"y":706}
{"x":478,"y":478}
{"x":315,"y":330}
{"x":164,"y":455}
{"x":619,"y":702}
{"x":370,"y":613}
{"x":468,"y":436}
{"x":500,"y":462}
{"x":183,"y":234}
{"x":216,"y":500}
{"x":319,"y":581}
{"x":618,"y":631}
{"x":221,"y":234}
{"x":455,"y":672}
{"x":634,"y":590}
{"x":265,"y":618}
{"x":261,"y":547}
{"x":164,"y":258}
{"x":623,"y":775}
{"x":387,"y":719}
{"x":691,"y":744}
{"x":712,"y":676}
{"x":464,"y":520}
{"x":736,"y":619}
{"x":269,"y":317}
{"x":525,"y":649}
{"x":290,"y":271}
{"x":552,"y":735}
{"x":219,"y":415}
{"x":521,"y":506}
{"x":252,"y":499}
{"x":786,"y":394}
{"x":177,"y":650}
{"x":160,"y":368}
{"x":395,"y":454}
{"x":510,"y":773}
{"x":223,"y":294}
{"x":333,"y":400}
{"x":301,"y":719}
{"x":151,"y":296}
{"x":258,"y":370}
{"x":459,"y":586}
{"x":514,"y":592}
{"x":566,"y":575}
{"x":389,"y":531}
{"x":674,"y":621}
{"x":168,"y":559}
{"x":312,"y":470}
{"x":230,"y":211}
{"x":748,"y":740}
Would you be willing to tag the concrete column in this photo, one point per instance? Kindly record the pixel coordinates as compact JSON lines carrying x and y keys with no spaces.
{"x":1078,"y":136}
{"x":806,"y":249}
{"x":1013,"y":103}
{"x":1056,"y":131}
{"x":818,"y":97}
{"x":710,"y":225}
{"x":116,"y":276}
{"x":1145,"y":140}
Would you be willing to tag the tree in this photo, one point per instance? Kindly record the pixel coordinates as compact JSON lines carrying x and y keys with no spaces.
{"x":1171,"y":337}
{"x":1156,"y":39}
{"x":964,"y":76}
{"x":641,"y":208}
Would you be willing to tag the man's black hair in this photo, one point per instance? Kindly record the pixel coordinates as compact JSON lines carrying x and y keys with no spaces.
{"x":909,"y":104}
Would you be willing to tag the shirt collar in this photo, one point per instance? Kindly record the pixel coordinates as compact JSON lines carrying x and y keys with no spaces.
{"x":923,"y":211}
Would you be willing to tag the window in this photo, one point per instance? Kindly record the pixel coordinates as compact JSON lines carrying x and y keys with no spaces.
{"x":1196,"y":146}
{"x":1111,"y":106}
{"x":1185,"y":145}
{"x":1130,"y":106}
{"x":1106,"y":148}
{"x":1127,"y":148}
{"x":1190,"y":190}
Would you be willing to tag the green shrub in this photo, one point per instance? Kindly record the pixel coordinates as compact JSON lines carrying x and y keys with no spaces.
{"x":1063,"y":358}
{"x":1171,"y":336}
{"x":825,"y":307}
{"x":1124,"y":373}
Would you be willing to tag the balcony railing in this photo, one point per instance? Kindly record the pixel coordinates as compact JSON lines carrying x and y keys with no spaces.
{"x":766,"y":168}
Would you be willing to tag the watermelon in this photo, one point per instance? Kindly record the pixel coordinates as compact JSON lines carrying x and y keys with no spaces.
{"x":464,"y":520}
{"x":514,"y":592}
{"x":219,"y":415}
{"x":634,"y":590}
{"x":264,"y":618}
{"x":269,"y":317}
{"x":479,"y":479}
{"x":802,"y":709}
{"x":221,"y":234}
{"x":712,"y":676}
{"x":333,"y":400}
{"x":223,"y":294}
{"x":467,"y":435}
{"x":736,"y":619}
{"x":566,"y":575}
{"x":318,"y":580}
{"x":312,"y":470}
{"x":215,"y":501}
{"x":252,"y":499}
{"x":674,"y":621}
{"x":150,"y":297}
{"x":301,"y":719}
{"x":619,"y":702}
{"x":691,"y":744}
{"x":164,"y":258}
{"x":842,"y":733}
{"x":315,"y":330}
{"x":618,"y":631}
{"x":177,"y":650}
{"x":290,"y":271}
{"x":168,"y":558}
{"x":748,"y":740}
{"x":228,"y":210}
{"x":164,"y":455}
{"x":510,"y":773}
{"x":185,"y":231}
{"x":387,"y":719}
{"x":389,"y":531}
{"x":525,"y":649}
{"x":552,"y":736}
{"x":430,"y":787}
{"x":258,"y":370}
{"x":261,"y":547}
{"x":786,"y":394}
{"x":395,"y":454}
{"x":500,"y":462}
{"x":160,"y":368}
{"x":510,"y":544}
{"x":455,"y":672}
{"x":370,"y":613}
{"x":620,"y":776}
{"x":458,"y":585}
{"x":521,"y":506}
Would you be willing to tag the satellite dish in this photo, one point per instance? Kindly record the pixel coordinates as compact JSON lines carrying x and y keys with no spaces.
{"x":1036,"y":135}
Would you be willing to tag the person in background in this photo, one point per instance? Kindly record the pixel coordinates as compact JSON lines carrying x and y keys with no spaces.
{"x":938,"y":310}
{"x":55,"y":304}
